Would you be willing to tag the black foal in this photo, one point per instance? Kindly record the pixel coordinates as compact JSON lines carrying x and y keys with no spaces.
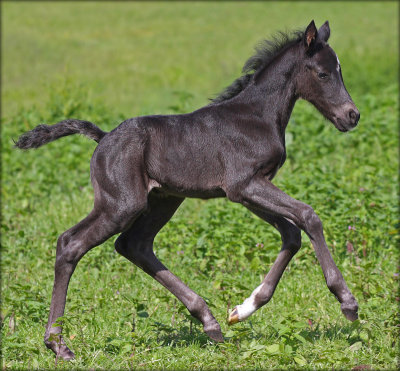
{"x":142,"y":170}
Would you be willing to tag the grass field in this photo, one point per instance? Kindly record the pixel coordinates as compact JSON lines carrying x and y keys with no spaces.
{"x":104,"y":62}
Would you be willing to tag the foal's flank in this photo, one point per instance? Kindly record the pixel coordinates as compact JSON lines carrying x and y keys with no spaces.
{"x":144,"y":169}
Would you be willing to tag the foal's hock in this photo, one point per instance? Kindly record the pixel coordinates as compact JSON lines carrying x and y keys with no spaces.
{"x":142,"y":171}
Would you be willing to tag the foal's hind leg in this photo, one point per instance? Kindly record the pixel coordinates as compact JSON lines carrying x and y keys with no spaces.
{"x":71,"y":246}
{"x":291,"y":243}
{"x":116,"y":206}
{"x":96,"y":228}
{"x":136,"y":244}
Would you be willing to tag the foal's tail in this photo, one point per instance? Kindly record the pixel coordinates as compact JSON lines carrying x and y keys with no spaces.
{"x":43,"y":134}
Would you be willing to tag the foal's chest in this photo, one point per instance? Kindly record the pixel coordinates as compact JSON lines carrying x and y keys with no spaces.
{"x":272,"y":160}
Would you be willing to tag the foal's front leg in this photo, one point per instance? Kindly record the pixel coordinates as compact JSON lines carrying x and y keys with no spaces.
{"x":260,"y":194}
{"x":291,"y":243}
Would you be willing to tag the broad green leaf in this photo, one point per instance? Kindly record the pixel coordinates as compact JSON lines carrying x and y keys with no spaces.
{"x":300,"y":360}
{"x":356,"y":346}
{"x":272,"y":349}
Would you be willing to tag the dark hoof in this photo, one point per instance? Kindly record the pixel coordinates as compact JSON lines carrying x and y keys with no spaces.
{"x":60,"y":349}
{"x":65,"y":353}
{"x":350,"y":311}
{"x":215,"y":333}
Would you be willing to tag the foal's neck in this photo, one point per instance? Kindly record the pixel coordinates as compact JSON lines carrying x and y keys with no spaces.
{"x":272,"y":93}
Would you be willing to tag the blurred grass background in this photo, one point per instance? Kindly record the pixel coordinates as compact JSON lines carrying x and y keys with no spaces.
{"x":107,"y":61}
{"x":133,"y":55}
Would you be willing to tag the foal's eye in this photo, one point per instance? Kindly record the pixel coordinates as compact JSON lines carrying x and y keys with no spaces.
{"x":322,"y":75}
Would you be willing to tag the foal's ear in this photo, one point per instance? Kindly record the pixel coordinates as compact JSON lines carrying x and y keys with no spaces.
{"x":310,"y":35}
{"x":324,"y":32}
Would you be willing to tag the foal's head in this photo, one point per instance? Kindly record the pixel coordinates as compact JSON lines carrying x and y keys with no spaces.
{"x":320,"y":79}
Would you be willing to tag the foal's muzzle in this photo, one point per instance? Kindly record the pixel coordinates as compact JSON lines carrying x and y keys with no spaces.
{"x":348,"y":119}
{"x":354,"y":116}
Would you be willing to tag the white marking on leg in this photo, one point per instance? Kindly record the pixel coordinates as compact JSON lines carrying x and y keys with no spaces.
{"x":249,"y":306}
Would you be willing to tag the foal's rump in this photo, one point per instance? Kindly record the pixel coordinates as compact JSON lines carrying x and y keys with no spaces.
{"x":117,"y":170}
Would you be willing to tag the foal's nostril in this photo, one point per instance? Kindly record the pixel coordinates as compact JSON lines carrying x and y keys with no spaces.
{"x":354,"y":116}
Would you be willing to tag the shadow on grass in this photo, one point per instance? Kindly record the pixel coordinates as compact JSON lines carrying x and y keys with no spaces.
{"x":184,"y":335}
{"x":336,"y":331}
{"x":180,"y":336}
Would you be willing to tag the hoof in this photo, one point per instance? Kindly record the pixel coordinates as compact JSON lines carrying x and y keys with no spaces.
{"x":233,"y":317}
{"x":65,"y":353}
{"x":215,"y":333}
{"x":60,"y":349}
{"x":350,"y":311}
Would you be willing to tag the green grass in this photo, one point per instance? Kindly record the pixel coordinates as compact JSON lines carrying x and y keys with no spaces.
{"x":104,"y":62}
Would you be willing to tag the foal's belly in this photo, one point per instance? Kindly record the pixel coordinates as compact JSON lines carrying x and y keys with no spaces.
{"x":203,"y":194}
{"x":190,"y":180}
{"x":192,"y":172}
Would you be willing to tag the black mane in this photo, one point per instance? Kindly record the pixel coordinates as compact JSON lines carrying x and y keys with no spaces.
{"x":266,"y":51}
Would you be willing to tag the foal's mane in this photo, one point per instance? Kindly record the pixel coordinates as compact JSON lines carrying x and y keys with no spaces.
{"x":266,"y":51}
